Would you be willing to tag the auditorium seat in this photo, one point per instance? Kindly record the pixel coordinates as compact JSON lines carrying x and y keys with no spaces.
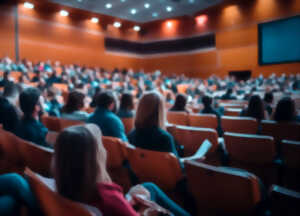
{"x":178,"y":118}
{"x":51,"y":203}
{"x":203,"y":120}
{"x":254,"y":153}
{"x":116,"y":156}
{"x":284,"y":201}
{"x":239,"y":124}
{"x":232,"y":111}
{"x":128,"y":124}
{"x":281,"y":131}
{"x":64,"y":123}
{"x":291,"y":159}
{"x":192,"y":138}
{"x":50,"y":122}
{"x":61,"y":86}
{"x":221,"y":191}
{"x":161,"y":168}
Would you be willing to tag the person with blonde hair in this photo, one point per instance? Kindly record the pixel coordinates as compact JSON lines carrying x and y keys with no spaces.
{"x":149,"y":132}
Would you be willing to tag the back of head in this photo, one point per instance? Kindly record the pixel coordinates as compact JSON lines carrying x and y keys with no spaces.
{"x":127,"y":101}
{"x":255,"y":107}
{"x":29,"y":98}
{"x":180,"y":102}
{"x":79,"y":162}
{"x":75,"y":102}
{"x":269,"y":97}
{"x":105,"y":99}
{"x":150,"y":111}
{"x":11,"y":90}
{"x":285,"y":110}
{"x":206,"y":100}
{"x":229,"y":91}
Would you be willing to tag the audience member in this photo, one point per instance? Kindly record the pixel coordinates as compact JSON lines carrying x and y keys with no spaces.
{"x":126,"y":109}
{"x":285,"y":110}
{"x":255,"y":108}
{"x":109,"y":123}
{"x":149,"y":132}
{"x":268,"y":101}
{"x":228,"y":95}
{"x":180,"y":104}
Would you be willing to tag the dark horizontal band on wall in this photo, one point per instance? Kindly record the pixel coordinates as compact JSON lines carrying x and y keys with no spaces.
{"x":159,"y":47}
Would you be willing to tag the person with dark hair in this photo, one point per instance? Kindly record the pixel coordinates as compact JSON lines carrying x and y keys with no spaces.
{"x":126,"y":109}
{"x":180,"y":104}
{"x":255,"y":108}
{"x":109,"y":123}
{"x":268,"y":100}
{"x":150,"y":120}
{"x":9,"y":113}
{"x":228,"y":95}
{"x":82,"y":147}
{"x":97,"y":90}
{"x":30,"y":128}
{"x":208,"y":109}
{"x":285,"y":110}
{"x":72,"y":109}
{"x":5,"y":78}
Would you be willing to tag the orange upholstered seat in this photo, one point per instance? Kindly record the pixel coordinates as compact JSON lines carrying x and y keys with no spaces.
{"x":203,"y":120}
{"x":128,"y":124}
{"x":232,"y":111}
{"x":254,"y":153}
{"x":192,"y":138}
{"x":161,"y":168}
{"x":239,"y":124}
{"x":52,"y":203}
{"x":64,"y":123}
{"x":52,"y":123}
{"x":291,"y":159}
{"x":178,"y":118}
{"x":220,"y":191}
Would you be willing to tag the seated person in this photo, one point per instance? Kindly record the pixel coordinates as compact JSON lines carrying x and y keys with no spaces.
{"x":5,"y":78}
{"x":255,"y":108}
{"x":180,"y":104}
{"x":285,"y":111}
{"x":52,"y":105}
{"x":81,"y":146}
{"x":228,"y":95}
{"x":268,"y":100}
{"x":30,"y":128}
{"x":126,"y":109}
{"x":109,"y":123}
{"x":72,"y":109}
{"x":149,"y":132}
{"x":9,"y":112}
{"x":208,"y":109}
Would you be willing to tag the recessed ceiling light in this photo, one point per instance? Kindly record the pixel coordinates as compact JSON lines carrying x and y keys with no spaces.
{"x":169,"y":8}
{"x":94,"y":20}
{"x":154,"y":14}
{"x":117,"y":24}
{"x":136,"y":28}
{"x":123,"y":0}
{"x":133,"y":11}
{"x":79,"y":0}
{"x":28,"y":5}
{"x":191,"y":1}
{"x":147,"y":5}
{"x":108,"y":5}
{"x":64,"y":13}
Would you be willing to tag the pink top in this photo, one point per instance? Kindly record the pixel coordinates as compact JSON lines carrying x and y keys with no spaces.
{"x":113,"y":202}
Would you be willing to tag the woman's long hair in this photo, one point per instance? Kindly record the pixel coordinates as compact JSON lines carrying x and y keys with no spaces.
{"x":256,"y":108}
{"x":151,"y":111}
{"x":75,"y":102}
{"x":80,"y":163}
{"x":285,"y":110}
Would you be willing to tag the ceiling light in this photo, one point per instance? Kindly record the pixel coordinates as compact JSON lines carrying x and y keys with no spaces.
{"x":202,"y":19}
{"x":136,"y":28}
{"x":155,"y":14}
{"x":133,"y":11}
{"x":147,"y":5}
{"x":169,"y":24}
{"x":169,"y":8}
{"x":94,"y":20}
{"x":123,"y":0}
{"x":79,"y":0}
{"x":108,"y":5}
{"x":117,"y":24}
{"x":64,"y":13}
{"x":28,"y":5}
{"x":191,"y":1}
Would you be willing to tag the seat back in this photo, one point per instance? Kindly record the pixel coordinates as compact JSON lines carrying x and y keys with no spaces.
{"x":253,"y":149}
{"x":64,"y":123}
{"x":239,"y":124}
{"x":221,"y":191}
{"x":291,"y":153}
{"x":177,"y":118}
{"x":128,"y":124}
{"x":52,"y":123}
{"x":232,"y":111}
{"x":280,"y":131}
{"x":162,"y":168}
{"x":52,"y":203}
{"x":192,"y":138}
{"x":115,"y":151}
{"x":203,"y":120}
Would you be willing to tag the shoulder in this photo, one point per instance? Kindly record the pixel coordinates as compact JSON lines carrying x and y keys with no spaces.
{"x":164,"y":134}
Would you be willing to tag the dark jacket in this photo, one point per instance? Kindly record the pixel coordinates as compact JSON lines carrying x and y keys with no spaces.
{"x":8,"y":115}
